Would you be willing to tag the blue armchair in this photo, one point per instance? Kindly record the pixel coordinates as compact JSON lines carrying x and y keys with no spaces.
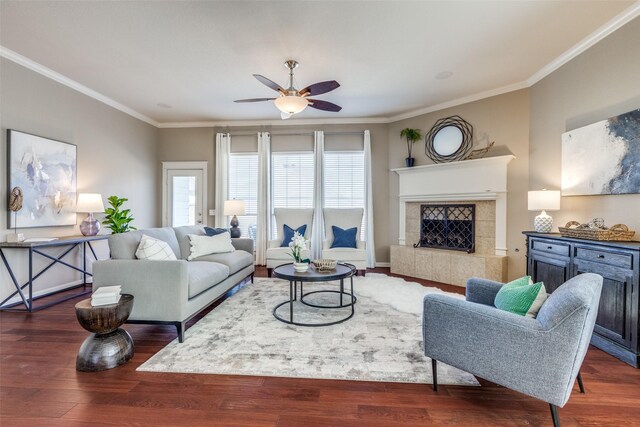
{"x":539,"y":357}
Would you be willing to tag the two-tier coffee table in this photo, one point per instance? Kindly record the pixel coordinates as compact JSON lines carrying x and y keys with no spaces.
{"x":344,"y":299}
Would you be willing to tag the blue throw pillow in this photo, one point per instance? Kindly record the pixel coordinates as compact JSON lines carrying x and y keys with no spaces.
{"x":344,"y":238}
{"x":289,"y":232}
{"x":214,"y":231}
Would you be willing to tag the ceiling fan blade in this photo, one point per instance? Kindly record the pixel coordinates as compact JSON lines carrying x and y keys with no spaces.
{"x":320,"y":88}
{"x":323,"y":105}
{"x":269,"y":83}
{"x":254,"y":100}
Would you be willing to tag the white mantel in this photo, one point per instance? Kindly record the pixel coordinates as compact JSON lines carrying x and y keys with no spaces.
{"x":479,"y":179}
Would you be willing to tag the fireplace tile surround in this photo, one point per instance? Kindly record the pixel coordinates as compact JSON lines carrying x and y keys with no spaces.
{"x":482,"y":182}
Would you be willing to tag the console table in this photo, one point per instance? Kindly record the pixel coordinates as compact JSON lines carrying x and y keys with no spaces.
{"x":36,"y":248}
{"x":554,"y":259}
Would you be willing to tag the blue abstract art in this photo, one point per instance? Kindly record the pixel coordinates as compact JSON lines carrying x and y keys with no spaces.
{"x":603,"y":158}
{"x":46,"y":171}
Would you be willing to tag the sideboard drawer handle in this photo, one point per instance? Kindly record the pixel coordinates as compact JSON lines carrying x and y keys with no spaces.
{"x":549,"y":247}
{"x":601,"y":256}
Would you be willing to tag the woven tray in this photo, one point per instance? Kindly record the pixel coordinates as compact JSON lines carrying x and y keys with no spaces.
{"x":618,"y":232}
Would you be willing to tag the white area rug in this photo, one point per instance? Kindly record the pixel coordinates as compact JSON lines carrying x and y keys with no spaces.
{"x":381,"y":342}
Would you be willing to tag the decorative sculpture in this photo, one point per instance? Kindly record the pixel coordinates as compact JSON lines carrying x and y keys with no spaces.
{"x":15,"y":204}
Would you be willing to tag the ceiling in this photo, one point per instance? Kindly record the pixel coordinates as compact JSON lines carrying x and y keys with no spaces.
{"x":197,"y":57}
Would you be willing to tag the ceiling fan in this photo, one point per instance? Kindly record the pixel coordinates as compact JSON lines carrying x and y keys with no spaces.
{"x":293,"y":101}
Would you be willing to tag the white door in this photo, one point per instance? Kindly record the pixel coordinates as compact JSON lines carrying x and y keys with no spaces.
{"x":184,"y":196}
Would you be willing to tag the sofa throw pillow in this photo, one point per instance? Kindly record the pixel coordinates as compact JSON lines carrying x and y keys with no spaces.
{"x":210,"y":231}
{"x":344,"y":238}
{"x":154,"y":249}
{"x":288,"y":233}
{"x":207,"y":245}
{"x":522,"y":297}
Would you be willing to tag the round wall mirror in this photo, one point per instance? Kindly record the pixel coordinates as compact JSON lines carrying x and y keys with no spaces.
{"x":449,"y":139}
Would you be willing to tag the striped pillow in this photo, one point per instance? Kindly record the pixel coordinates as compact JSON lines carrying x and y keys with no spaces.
{"x":522,"y":297}
{"x":154,"y":249}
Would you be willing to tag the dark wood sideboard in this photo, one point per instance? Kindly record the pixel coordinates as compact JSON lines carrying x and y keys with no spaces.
{"x":554,"y":259}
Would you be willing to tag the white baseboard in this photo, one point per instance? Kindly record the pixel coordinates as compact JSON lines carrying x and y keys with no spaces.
{"x":383,"y":264}
{"x":47,"y":291}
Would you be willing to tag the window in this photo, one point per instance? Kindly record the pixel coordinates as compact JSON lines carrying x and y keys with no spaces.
{"x":292,"y":177}
{"x":243,"y":185}
{"x":344,"y":183}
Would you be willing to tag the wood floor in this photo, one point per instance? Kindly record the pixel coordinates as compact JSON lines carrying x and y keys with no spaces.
{"x":40,"y":386}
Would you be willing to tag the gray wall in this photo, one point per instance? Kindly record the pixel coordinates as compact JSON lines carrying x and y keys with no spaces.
{"x":116,"y":154}
{"x":602,"y":82}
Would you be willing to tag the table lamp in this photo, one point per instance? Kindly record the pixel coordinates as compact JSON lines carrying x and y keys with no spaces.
{"x":89,"y":203}
{"x":234,"y":207}
{"x":544,"y":200}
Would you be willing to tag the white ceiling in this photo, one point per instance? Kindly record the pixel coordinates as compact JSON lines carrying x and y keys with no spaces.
{"x":200,"y":56}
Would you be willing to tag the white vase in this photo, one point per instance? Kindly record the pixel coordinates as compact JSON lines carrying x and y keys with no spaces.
{"x":300,"y":267}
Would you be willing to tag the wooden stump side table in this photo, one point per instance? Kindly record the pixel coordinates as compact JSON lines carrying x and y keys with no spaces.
{"x":108,"y":346}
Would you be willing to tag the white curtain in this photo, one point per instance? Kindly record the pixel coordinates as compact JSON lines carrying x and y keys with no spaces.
{"x":368,"y":202}
{"x":317,"y":236}
{"x":264,"y":196}
{"x":223,"y":148}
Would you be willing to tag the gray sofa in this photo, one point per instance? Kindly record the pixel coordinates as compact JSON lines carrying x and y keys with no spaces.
{"x":172,"y":292}
{"x":539,"y":357}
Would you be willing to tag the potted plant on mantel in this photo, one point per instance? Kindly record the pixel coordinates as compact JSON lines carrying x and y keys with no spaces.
{"x":411,"y":135}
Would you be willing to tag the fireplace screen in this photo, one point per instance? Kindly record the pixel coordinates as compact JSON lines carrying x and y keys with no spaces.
{"x":447,"y":227}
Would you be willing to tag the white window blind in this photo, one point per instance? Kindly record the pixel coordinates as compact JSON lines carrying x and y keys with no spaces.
{"x":344,"y":184}
{"x":243,"y":185}
{"x":292,"y":179}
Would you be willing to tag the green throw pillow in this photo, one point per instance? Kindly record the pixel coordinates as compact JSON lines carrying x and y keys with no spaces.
{"x":521,"y":296}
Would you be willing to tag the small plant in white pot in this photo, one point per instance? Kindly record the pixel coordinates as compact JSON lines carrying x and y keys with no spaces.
{"x":297,"y":245}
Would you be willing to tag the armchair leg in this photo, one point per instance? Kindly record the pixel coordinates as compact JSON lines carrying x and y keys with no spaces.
{"x":580,"y":383}
{"x":554,"y":415}
{"x":269,"y":271}
{"x":434,"y":371}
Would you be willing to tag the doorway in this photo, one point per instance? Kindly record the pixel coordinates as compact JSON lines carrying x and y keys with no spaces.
{"x":184,"y":193}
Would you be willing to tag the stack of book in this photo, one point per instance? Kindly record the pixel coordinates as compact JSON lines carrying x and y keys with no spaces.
{"x":105,"y":295}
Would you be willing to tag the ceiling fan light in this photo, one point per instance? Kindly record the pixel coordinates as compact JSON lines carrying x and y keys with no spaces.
{"x":291,"y":104}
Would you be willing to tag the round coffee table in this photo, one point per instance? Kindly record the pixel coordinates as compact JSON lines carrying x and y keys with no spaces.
{"x":341,"y":272}
{"x":108,"y":346}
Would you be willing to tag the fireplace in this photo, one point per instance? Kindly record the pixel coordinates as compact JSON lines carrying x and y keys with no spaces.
{"x":450,"y":226}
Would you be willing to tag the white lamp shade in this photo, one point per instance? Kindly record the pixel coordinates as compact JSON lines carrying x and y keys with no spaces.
{"x":90,"y":203}
{"x":544,"y":200}
{"x":291,"y":104}
{"x":234,"y":207}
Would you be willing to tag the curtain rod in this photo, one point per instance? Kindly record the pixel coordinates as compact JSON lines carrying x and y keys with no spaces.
{"x":294,"y":134}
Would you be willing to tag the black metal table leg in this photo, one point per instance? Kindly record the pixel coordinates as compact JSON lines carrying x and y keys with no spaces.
{"x":291,"y":300}
{"x":30,"y":308}
{"x":84,"y":264}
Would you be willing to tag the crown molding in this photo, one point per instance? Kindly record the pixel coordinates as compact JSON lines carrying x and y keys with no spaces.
{"x":55,"y":76}
{"x":459,"y":101}
{"x":269,"y":122}
{"x":614,"y":24}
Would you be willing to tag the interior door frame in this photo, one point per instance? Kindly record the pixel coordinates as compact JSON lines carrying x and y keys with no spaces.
{"x":201,"y":166}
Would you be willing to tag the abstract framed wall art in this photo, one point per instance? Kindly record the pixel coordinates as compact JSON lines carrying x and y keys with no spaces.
{"x":45,"y":169}
{"x":602,"y":158}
